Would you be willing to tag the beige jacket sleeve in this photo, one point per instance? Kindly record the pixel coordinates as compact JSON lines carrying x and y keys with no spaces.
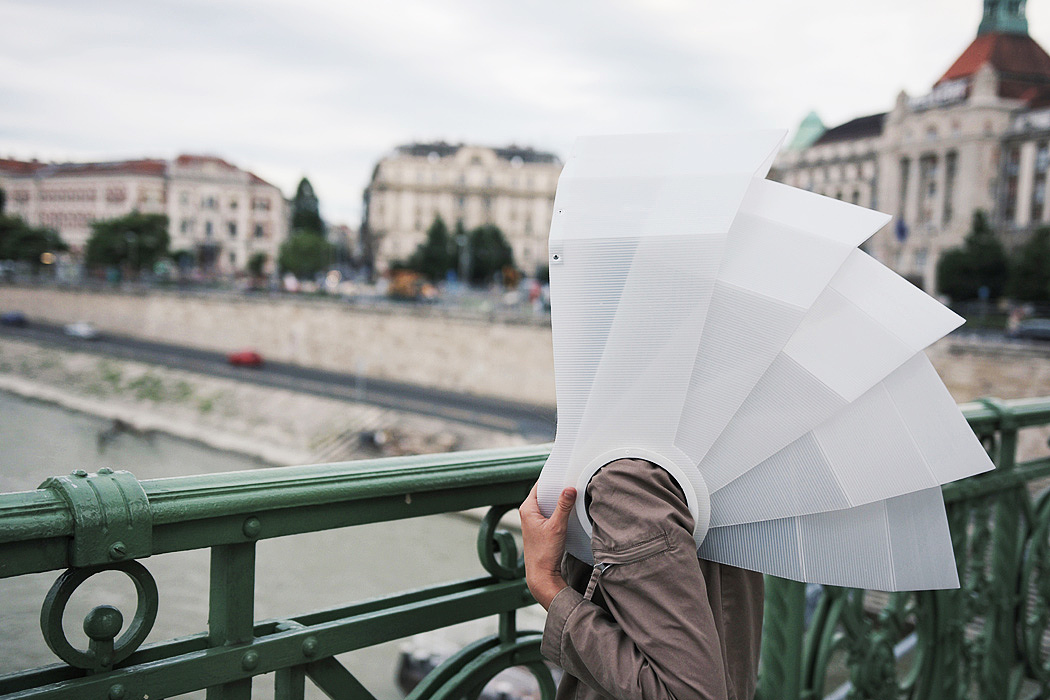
{"x":647,"y":630}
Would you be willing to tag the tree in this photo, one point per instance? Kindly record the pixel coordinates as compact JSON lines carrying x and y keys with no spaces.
{"x":20,"y":241}
{"x":256,"y":263}
{"x":435,"y":256}
{"x":3,"y":200}
{"x":489,"y":253}
{"x":980,"y":262}
{"x":135,"y":240}
{"x":306,"y":213}
{"x":304,"y":254}
{"x":1030,"y":269}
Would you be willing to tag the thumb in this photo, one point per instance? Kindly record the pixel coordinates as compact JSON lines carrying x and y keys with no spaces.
{"x":560,"y":516}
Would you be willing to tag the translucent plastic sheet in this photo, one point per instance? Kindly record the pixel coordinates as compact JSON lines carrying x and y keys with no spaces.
{"x":866,"y":324}
{"x":903,"y":435}
{"x":726,"y":328}
{"x":637,"y":240}
{"x":899,"y":544}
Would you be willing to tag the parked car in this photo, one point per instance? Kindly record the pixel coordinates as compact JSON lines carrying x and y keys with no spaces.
{"x":14,"y":318}
{"x":81,"y":329}
{"x":245,"y":358}
{"x":1032,"y":328}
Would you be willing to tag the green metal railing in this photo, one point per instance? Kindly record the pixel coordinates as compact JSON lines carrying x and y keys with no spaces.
{"x":984,"y":640}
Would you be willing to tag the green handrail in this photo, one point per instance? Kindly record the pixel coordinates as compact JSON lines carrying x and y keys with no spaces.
{"x":986,"y":638}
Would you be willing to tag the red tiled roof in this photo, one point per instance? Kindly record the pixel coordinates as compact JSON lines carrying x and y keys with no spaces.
{"x":122,"y":167}
{"x":189,"y":160}
{"x":1021,"y":63}
{"x":9,"y":166}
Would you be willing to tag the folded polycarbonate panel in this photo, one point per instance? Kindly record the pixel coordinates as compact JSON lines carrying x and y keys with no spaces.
{"x":725,"y":328}
{"x":902,"y":543}
{"x":637,"y":239}
{"x":903,"y":435}
{"x":783,"y":250}
{"x":866,"y":324}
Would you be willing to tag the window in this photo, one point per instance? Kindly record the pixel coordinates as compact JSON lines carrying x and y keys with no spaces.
{"x":260,"y":231}
{"x":920,"y":259}
{"x":234,"y":203}
{"x":231,"y":227}
{"x":855,"y":198}
{"x":905,"y":174}
{"x":232,"y":258}
{"x":1042,"y":164}
{"x":951,"y":164}
{"x":1012,"y":170}
{"x":208,"y":202}
{"x":208,"y":229}
{"x":184,"y":198}
{"x":186,"y":226}
{"x":261,"y":204}
{"x":927,"y":187}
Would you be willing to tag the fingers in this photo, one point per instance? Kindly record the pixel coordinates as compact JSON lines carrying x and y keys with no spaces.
{"x":560,"y":516}
{"x":531,"y":502}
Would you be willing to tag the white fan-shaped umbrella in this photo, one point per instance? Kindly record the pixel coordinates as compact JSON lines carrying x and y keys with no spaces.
{"x":725,"y":328}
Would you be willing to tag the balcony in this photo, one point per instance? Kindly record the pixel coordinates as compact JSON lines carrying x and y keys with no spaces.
{"x":986,"y":640}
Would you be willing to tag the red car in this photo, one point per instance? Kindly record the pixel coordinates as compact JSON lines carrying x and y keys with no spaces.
{"x":245,"y":358}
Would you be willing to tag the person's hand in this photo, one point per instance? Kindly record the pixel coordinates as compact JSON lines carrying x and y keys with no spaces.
{"x":544,"y":542}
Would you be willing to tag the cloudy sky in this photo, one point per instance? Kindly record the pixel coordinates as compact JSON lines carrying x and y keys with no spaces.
{"x":324,"y":88}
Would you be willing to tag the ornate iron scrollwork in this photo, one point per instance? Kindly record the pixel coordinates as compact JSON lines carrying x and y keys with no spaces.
{"x":104,"y":622}
{"x":493,"y":542}
{"x":465,"y":674}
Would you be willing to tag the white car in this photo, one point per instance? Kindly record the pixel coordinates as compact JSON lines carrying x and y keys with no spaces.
{"x":81,"y":329}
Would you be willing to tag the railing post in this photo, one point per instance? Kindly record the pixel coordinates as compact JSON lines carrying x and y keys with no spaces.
{"x":782,"y":640}
{"x":231,"y":611}
{"x":1000,"y":650}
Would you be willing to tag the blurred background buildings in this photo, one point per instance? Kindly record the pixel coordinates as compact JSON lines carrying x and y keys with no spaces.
{"x":218,"y":212}
{"x":470,"y":186}
{"x":979,"y":140}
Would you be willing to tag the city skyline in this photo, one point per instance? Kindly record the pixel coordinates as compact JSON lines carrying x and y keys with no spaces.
{"x":326,"y":91}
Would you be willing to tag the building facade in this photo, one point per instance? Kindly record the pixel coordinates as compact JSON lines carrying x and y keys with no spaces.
{"x":933,"y":160}
{"x":218,"y":212}
{"x":512,"y":188}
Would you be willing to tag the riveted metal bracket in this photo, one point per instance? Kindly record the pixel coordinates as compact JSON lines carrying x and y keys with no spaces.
{"x":112,"y":520}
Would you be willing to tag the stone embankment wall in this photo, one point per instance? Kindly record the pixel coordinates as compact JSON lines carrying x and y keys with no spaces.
{"x":419,"y":345}
{"x":425,"y":346}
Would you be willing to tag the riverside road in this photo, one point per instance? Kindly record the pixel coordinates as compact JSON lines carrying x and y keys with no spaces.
{"x":535,"y":423}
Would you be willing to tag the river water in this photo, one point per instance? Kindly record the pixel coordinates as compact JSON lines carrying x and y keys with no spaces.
{"x":294,"y":574}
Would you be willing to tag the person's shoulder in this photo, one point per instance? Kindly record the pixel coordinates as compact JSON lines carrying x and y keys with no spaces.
{"x":631,"y":499}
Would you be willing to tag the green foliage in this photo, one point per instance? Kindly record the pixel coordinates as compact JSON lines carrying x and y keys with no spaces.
{"x":980,"y":262}
{"x":1030,"y":269}
{"x":136,"y":240}
{"x":256,"y":263}
{"x":437,"y":255}
{"x":3,"y":200}
{"x":304,"y":254}
{"x":489,"y":253}
{"x":20,"y":241}
{"x":306,"y":212}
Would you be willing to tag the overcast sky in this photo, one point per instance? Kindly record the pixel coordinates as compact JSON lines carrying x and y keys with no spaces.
{"x":324,"y":88}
